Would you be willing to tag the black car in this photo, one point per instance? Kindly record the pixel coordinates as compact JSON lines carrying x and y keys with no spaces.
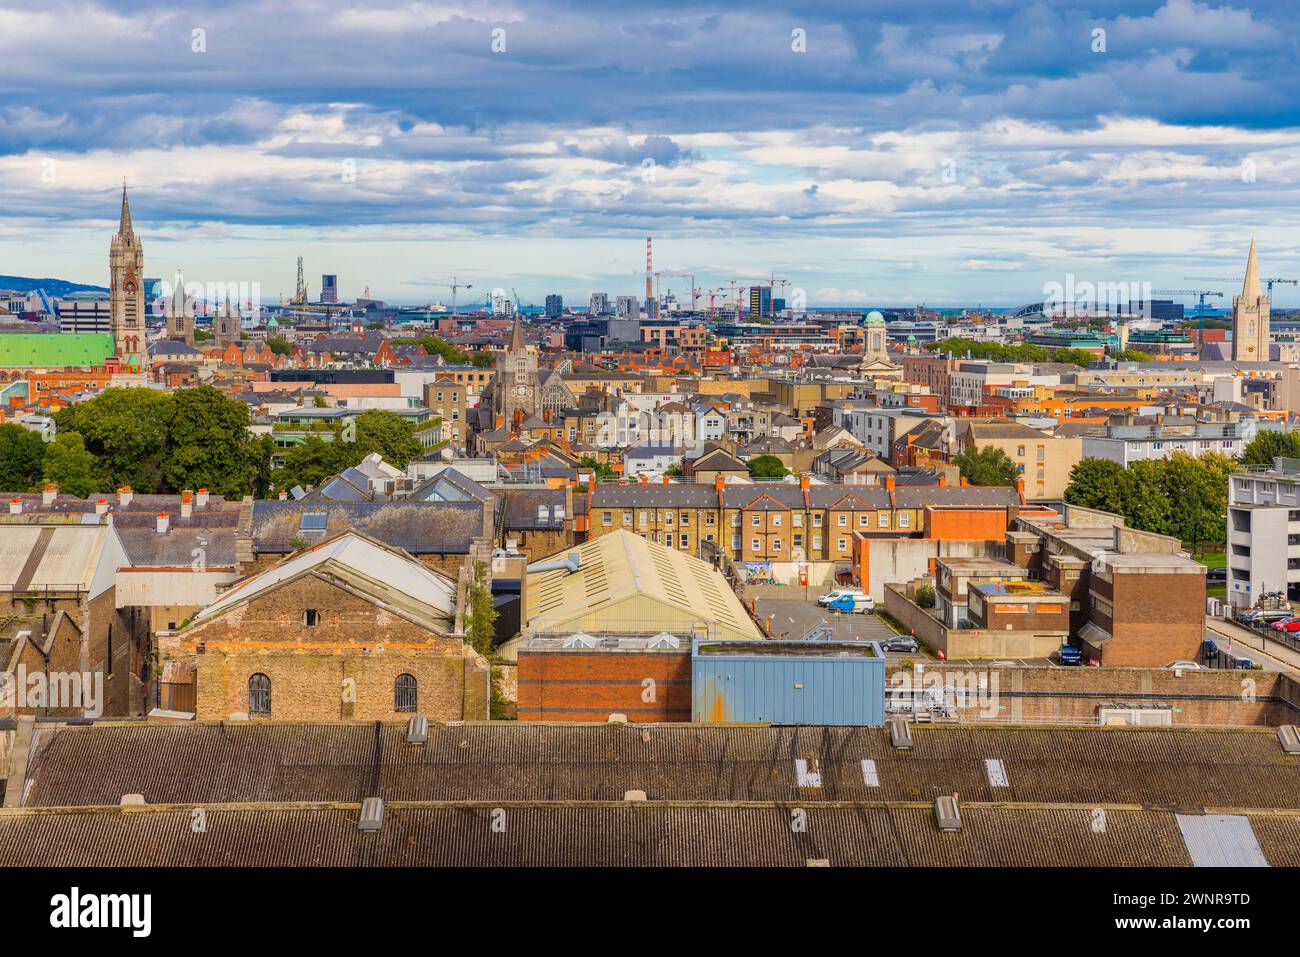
{"x":1216,"y":574}
{"x":900,"y":643}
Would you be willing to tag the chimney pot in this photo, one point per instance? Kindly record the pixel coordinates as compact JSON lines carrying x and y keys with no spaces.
{"x":201,"y":500}
{"x":283,"y":494}
{"x":101,"y":506}
{"x":49,"y":493}
{"x":124,"y":495}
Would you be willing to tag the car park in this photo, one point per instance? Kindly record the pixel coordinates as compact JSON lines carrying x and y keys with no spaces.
{"x":1266,"y":616}
{"x":900,"y":643}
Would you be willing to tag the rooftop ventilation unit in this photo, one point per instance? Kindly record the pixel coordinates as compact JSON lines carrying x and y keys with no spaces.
{"x":372,"y":815}
{"x":946,"y":813}
{"x":417,"y":730}
{"x":1289,"y":738}
{"x":636,"y":796}
{"x":900,"y":734}
{"x":997,"y":772}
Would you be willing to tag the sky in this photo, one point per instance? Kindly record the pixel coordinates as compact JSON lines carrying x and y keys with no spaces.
{"x":866,"y":153}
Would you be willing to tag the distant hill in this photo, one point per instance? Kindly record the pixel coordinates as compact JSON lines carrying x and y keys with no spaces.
{"x":53,"y":287}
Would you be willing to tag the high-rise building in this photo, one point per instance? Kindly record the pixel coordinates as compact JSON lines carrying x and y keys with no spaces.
{"x":760,"y":300}
{"x":85,"y":312}
{"x":599,"y":304}
{"x":554,"y":306}
{"x":126,"y":286}
{"x":329,"y":288}
{"x":1250,"y":317}
{"x":627,"y":307}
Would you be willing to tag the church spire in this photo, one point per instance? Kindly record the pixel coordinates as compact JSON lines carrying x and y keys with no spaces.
{"x":124,"y":224}
{"x":1250,"y":288}
{"x":516,"y":337}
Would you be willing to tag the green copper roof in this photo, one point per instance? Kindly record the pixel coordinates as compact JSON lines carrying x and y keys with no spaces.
{"x":54,"y":349}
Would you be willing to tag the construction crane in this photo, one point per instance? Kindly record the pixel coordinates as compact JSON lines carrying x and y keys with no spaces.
{"x":1200,"y":295}
{"x":1239,"y":279}
{"x":683,"y":275}
{"x":771,"y":282}
{"x":455,"y":286}
{"x":711,"y":293}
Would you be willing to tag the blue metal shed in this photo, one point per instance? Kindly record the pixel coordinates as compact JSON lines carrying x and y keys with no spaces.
{"x":788,"y":682}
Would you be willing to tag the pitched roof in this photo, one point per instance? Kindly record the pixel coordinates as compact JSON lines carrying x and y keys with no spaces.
{"x":419,"y":528}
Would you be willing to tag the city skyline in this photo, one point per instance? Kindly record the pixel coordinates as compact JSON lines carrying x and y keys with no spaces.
{"x":870,"y":157}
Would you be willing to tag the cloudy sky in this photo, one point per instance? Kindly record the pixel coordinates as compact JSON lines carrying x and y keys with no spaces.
{"x":883,"y":153}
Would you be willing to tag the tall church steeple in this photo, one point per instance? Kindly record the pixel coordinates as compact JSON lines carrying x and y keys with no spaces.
{"x":1251,"y":316}
{"x":126,"y":287}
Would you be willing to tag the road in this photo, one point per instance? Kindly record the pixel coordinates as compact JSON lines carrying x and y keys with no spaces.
{"x":1271,"y":655}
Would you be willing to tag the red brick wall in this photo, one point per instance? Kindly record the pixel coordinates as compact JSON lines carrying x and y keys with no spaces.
{"x":590,"y":686}
{"x":961,"y":524}
{"x":1158,"y":619}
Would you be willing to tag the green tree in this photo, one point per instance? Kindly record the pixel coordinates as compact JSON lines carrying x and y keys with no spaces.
{"x":378,"y":430}
{"x":1101,"y":484}
{"x":480,"y":621}
{"x":21,"y":452}
{"x":308,"y":464}
{"x":1269,"y":444}
{"x":1197,"y":490}
{"x":986,"y":466}
{"x":436,"y":346}
{"x":1078,"y":357}
{"x":208,"y":444}
{"x":279,"y":345}
{"x":604,"y":471}
{"x":127,"y":432}
{"x":483,"y":359}
{"x":766,"y":466}
{"x":69,"y":466}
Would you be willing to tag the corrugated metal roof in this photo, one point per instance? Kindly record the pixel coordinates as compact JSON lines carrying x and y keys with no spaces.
{"x":1221,"y":840}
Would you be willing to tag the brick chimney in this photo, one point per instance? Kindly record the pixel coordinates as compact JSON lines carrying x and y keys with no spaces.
{"x":667,"y":479}
{"x":965,"y":482}
{"x":643,"y":479}
{"x":1020,"y":489}
{"x":943,"y":480}
{"x":15,"y":506}
{"x":187,"y":503}
{"x":124,"y":496}
{"x":889,"y":484}
{"x":201,"y":500}
{"x":49,"y":493}
{"x":163,"y":523}
{"x":101,"y":506}
{"x":805,"y":482}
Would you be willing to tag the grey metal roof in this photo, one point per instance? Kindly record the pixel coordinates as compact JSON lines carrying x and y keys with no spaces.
{"x":1221,"y":840}
{"x":416,"y":527}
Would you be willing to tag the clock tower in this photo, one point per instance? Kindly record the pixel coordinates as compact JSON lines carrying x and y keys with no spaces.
{"x":126,"y":287}
{"x":515,"y":389}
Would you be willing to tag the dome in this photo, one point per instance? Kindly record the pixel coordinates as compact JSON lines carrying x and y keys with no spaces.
{"x":874,"y":318}
{"x":273,"y":323}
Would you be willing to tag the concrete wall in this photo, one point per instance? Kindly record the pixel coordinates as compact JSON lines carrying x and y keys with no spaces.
{"x":964,"y":642}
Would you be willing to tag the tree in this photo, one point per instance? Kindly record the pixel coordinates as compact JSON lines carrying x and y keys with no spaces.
{"x":766,"y":466}
{"x":1268,"y":445}
{"x":604,"y":471}
{"x":308,"y":464}
{"x":208,"y":444}
{"x":1078,"y":357}
{"x":279,"y":345}
{"x":126,"y":430}
{"x":21,"y":451}
{"x":69,"y":466}
{"x":480,"y":621}
{"x":1101,"y":484}
{"x":483,"y":359}
{"x":987,"y":466}
{"x":435,"y":346}
{"x":378,"y":430}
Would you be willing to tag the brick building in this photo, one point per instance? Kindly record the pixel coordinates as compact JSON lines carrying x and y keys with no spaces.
{"x":350,"y":628}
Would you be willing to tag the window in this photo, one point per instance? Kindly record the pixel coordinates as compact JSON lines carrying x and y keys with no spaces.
{"x":405,"y":693}
{"x":862,"y":519}
{"x":668,"y":518}
{"x":776,"y":544}
{"x":882,"y":519}
{"x":753,"y":544}
{"x":313,"y":521}
{"x":311,"y":617}
{"x":259,"y":696}
{"x":817,"y":520}
{"x":797,"y":520}
{"x":685,"y":540}
{"x":686,"y":519}
{"x":904,"y":520}
{"x":842,"y":520}
{"x":816,"y":541}
{"x":755,"y":520}
{"x":641,"y":519}
{"x":798,"y":541}
{"x":627,"y":517}
{"x":844,"y":544}
{"x":607,"y":519}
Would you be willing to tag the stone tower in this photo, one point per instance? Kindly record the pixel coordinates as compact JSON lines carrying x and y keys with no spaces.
{"x":515,"y":390}
{"x":180,"y":314}
{"x":126,"y":287}
{"x":1250,"y":317}
{"x":226,"y":323}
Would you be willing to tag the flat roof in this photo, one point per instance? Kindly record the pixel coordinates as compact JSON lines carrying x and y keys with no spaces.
{"x":782,"y":649}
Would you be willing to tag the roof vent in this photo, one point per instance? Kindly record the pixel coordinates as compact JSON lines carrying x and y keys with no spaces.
{"x":417,"y":730}
{"x":618,"y":719}
{"x":946,"y":813}
{"x":817,"y":862}
{"x":997,"y":772}
{"x":1289,"y":738}
{"x":637,"y":796}
{"x":133,"y":800}
{"x":372,"y":815}
{"x":900,"y":734}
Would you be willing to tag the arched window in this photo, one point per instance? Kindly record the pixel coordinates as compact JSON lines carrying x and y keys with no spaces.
{"x":405,"y":693}
{"x":259,"y":696}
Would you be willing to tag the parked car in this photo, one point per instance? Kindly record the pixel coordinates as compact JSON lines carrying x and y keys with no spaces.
{"x":850,"y":604}
{"x":1216,"y":575}
{"x":1183,"y":665}
{"x":835,"y":593}
{"x":1069,"y":655}
{"x":1266,"y":616}
{"x":1290,"y":625}
{"x":900,"y":643}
